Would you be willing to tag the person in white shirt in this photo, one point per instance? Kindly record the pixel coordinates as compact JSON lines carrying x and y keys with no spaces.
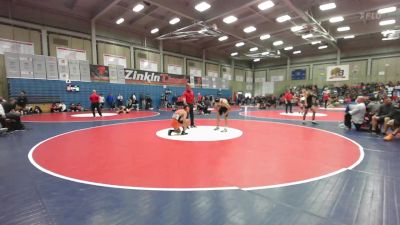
{"x":357,"y":112}
{"x":2,"y":119}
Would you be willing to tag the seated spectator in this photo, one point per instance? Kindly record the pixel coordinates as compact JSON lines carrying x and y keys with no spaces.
{"x":55,"y":107}
{"x":393,"y":123}
{"x":357,"y":113}
{"x":79,"y":107}
{"x":37,"y":110}
{"x":13,"y":118}
{"x":384,"y":111}
{"x":2,"y":119}
{"x":21,"y":102}
{"x":73,"y":108}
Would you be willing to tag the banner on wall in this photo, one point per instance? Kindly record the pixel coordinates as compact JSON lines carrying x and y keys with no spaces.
{"x":70,"y":53}
{"x":19,"y":47}
{"x":277,"y":78}
{"x":337,"y":73}
{"x":12,"y":65}
{"x":63,"y":70}
{"x":120,"y":74}
{"x":148,"y":65}
{"x":226,"y":76}
{"x":239,"y":78}
{"x":74,"y":71}
{"x":249,"y":79}
{"x":259,"y":79}
{"x":195,"y":72}
{"x":211,"y":73}
{"x":99,"y":73}
{"x":114,"y":60}
{"x":174,"y":69}
{"x":26,"y":65}
{"x":84,"y":68}
{"x":39,"y":67}
{"x":51,"y":68}
{"x":112,"y":71}
{"x":299,"y":74}
{"x":149,"y":77}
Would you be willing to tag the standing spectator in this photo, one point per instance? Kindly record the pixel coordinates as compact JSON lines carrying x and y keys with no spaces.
{"x":325,"y":97}
{"x":188,"y":98}
{"x":22,"y":100}
{"x":110,"y":100}
{"x":95,"y":103}
{"x":288,"y":101}
{"x":199,"y":97}
{"x":102,"y":100}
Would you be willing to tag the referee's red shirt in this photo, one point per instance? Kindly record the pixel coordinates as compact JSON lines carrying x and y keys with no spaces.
{"x":94,"y":98}
{"x":189,"y":96}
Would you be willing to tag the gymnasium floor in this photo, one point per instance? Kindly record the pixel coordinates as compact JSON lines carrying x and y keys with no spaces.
{"x":123,"y":170}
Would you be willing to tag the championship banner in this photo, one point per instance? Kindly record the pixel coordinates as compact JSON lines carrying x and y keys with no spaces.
{"x":337,"y":73}
{"x":148,"y":77}
{"x":99,"y":73}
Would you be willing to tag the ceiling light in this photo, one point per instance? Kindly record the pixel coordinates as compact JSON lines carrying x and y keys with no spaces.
{"x":345,"y":28}
{"x":234,"y":53}
{"x":155,"y":30}
{"x":223,"y":38}
{"x":296,"y":28}
{"x":296,"y":52}
{"x":120,"y":20}
{"x":277,"y":43}
{"x":265,"y":36}
{"x":264,"y":53}
{"x":348,"y":37}
{"x":254,"y":49}
{"x":327,"y":6}
{"x":138,"y":8}
{"x":315,"y":42}
{"x":256,"y":60}
{"x":288,"y":48}
{"x":336,"y":19}
{"x":239,"y":44}
{"x":175,"y":20}
{"x":322,"y":46}
{"x":284,"y":18}
{"x":266,"y":5}
{"x":249,"y":29}
{"x":387,"y":32}
{"x":202,"y":6}
{"x":387,"y":10}
{"x":229,"y":19}
{"x":387,"y":22}
{"x":389,"y":38}
{"x":305,"y":36}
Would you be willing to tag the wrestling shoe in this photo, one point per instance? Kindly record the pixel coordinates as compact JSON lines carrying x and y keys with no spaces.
{"x":388,"y":137}
{"x":184,"y":133}
{"x":224,"y":130}
{"x":217,"y":128}
{"x":170,"y":132}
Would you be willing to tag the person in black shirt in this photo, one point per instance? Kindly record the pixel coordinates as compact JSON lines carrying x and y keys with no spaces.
{"x":309,"y":105}
{"x":13,"y":115}
{"x":383,"y":112}
{"x":22,"y":101}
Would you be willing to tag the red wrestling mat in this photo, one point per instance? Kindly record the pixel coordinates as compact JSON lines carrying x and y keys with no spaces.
{"x":233,"y":109}
{"x":321,"y":115}
{"x":132,"y":156}
{"x":86,"y":116}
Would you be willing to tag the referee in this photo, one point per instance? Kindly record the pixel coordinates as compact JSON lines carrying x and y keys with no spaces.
{"x":188,"y":98}
{"x":95,"y":103}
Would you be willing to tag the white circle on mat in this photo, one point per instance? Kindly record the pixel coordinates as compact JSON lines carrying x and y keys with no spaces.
{"x":301,"y":114}
{"x":85,"y":115}
{"x":202,"y":133}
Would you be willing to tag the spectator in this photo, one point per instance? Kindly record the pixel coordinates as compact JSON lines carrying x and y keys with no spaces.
{"x":12,"y":115}
{"x":22,"y":101}
{"x":384,"y":111}
{"x":101,"y":100}
{"x":110,"y":101}
{"x":120,"y":100}
{"x":358,"y":112}
{"x":394,"y":123}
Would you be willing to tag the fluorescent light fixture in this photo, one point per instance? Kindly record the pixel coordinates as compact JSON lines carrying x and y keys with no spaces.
{"x":283,"y":18}
{"x":202,"y":6}
{"x":256,"y":60}
{"x":389,"y":38}
{"x":234,"y":53}
{"x":223,"y":38}
{"x":277,"y":43}
{"x":254,"y":49}
{"x":249,"y":29}
{"x":265,"y":36}
{"x":230,"y":19}
{"x":296,"y":28}
{"x":264,"y":53}
{"x":239,"y":44}
{"x":266,"y":5}
{"x":305,"y":36}
{"x":387,"y":10}
{"x":349,"y":37}
{"x":174,"y":20}
{"x":345,"y":28}
{"x":155,"y":30}
{"x":322,"y":46}
{"x":138,"y":7}
{"x":296,"y":52}
{"x":336,"y":19}
{"x":288,"y":48}
{"x":387,"y":22}
{"x":327,"y":6}
{"x":120,"y":20}
{"x":315,"y":42}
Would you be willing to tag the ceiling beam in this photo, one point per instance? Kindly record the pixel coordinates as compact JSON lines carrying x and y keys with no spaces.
{"x":104,"y":10}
